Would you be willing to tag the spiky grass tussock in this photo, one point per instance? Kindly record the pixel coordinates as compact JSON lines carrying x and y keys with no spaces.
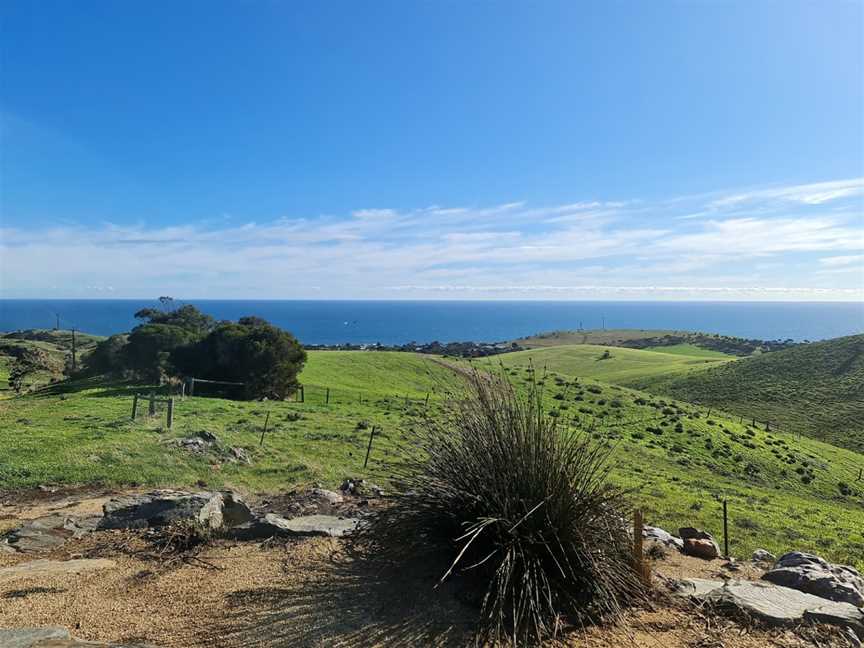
{"x":517,"y":504}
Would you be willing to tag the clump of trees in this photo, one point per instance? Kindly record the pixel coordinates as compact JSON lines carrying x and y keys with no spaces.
{"x":183,"y":341}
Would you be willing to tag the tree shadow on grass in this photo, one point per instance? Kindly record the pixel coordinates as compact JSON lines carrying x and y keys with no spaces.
{"x":348,"y":602}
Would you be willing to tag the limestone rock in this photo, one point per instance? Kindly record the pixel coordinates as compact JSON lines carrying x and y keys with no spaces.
{"x":811,"y":574}
{"x":657,"y":534}
{"x":45,"y":533}
{"x":51,"y":637}
{"x":272,"y":525}
{"x":53,"y":568}
{"x":762,"y":555}
{"x":772,"y":604}
{"x":331,"y":497}
{"x":158,"y":508}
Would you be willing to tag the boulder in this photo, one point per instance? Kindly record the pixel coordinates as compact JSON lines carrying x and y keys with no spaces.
{"x":699,"y":543}
{"x":45,"y":533}
{"x":53,"y":568}
{"x":772,"y":604}
{"x":52,"y":637}
{"x":762,"y":555}
{"x":158,"y":508}
{"x":361,"y":487}
{"x":700,"y":548}
{"x":656,"y":534}
{"x":811,"y":574}
{"x":331,"y":497}
{"x":272,"y":525}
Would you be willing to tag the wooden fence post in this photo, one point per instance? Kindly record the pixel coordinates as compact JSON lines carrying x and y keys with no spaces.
{"x":426,"y":404}
{"x":642,"y":569}
{"x":264,"y":431}
{"x":134,"y":406}
{"x":725,"y":530}
{"x":302,"y":394}
{"x":327,"y":397}
{"x":170,"y":412}
{"x":151,"y":410}
{"x":369,"y":449}
{"x":191,"y":387}
{"x":183,"y":390}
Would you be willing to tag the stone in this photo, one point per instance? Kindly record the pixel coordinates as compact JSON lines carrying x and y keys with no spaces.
{"x":31,"y":637}
{"x":240,"y":454}
{"x":54,"y":568}
{"x":700,"y":548}
{"x":657,"y":534}
{"x":771,"y":603}
{"x":52,"y":637}
{"x":153,"y":509}
{"x":331,"y":497}
{"x":46,"y":533}
{"x":762,"y":555}
{"x":235,"y":510}
{"x":361,"y":487}
{"x":313,"y":525}
{"x":811,"y":574}
{"x":158,"y":508}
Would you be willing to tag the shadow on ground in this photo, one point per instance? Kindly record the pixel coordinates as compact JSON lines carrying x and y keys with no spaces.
{"x":340,"y":601}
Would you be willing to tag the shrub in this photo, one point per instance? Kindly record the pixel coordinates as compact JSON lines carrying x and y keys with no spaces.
{"x":518,"y":506}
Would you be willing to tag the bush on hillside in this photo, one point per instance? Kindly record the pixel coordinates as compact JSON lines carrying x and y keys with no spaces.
{"x":517,"y":506}
{"x":252,"y":351}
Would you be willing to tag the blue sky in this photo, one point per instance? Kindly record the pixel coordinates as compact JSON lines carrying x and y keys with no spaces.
{"x":557,"y":150}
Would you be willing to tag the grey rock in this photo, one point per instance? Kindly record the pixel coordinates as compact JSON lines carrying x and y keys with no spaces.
{"x":30,"y":637}
{"x":52,"y":637}
{"x":235,"y":510}
{"x":312,"y":525}
{"x":811,"y":574}
{"x":272,"y":525}
{"x":240,"y":454}
{"x":772,"y":604}
{"x":46,"y":533}
{"x":331,"y":497}
{"x":657,"y":534}
{"x":762,"y":555}
{"x":158,"y":508}
{"x":36,"y":568}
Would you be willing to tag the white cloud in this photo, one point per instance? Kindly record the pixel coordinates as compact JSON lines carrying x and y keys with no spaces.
{"x":591,"y":248}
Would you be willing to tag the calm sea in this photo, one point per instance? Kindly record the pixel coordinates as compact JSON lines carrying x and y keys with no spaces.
{"x":397,"y":322}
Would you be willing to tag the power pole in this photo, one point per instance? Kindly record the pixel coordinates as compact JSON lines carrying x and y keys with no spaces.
{"x":74,"y":361}
{"x":57,"y":326}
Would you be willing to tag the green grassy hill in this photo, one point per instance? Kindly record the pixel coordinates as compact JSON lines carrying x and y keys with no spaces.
{"x":783,"y":492}
{"x":815,"y":389}
{"x":611,"y":364}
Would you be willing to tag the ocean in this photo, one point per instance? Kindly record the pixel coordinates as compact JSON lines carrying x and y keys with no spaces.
{"x":398,"y":322}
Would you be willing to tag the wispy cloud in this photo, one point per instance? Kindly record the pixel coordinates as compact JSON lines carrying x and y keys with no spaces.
{"x":772,"y":243}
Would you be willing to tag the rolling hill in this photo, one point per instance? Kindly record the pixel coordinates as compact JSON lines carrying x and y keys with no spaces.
{"x":783,"y":492}
{"x":617,"y":365}
{"x":814,"y":389}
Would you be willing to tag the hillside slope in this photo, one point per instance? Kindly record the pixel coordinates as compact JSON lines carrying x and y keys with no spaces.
{"x":814,"y":389}
{"x":680,"y":464}
{"x":615,"y":365}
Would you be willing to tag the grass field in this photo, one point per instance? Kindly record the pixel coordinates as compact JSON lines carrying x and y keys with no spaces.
{"x":616,"y":365}
{"x":815,"y":389}
{"x":783,"y":492}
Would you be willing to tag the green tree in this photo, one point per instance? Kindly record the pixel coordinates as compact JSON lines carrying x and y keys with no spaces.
{"x":265,"y":358}
{"x":107,"y":357}
{"x":148,"y":349}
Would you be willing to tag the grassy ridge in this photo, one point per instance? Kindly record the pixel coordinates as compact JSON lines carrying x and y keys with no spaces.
{"x":815,"y":389}
{"x":783,"y":493}
{"x":610,"y":364}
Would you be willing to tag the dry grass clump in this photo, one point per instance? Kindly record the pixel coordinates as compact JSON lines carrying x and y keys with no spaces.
{"x":517,"y":506}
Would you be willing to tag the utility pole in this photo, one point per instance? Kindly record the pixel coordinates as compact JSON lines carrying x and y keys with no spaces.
{"x":604,"y":322}
{"x":57,"y":325}
{"x":74,"y":360}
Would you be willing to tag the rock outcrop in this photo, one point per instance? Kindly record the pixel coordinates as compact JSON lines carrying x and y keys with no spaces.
{"x":813,"y":575}
{"x":772,"y":604}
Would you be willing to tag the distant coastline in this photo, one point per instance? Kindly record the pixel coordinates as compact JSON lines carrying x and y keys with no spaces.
{"x":396,"y":323}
